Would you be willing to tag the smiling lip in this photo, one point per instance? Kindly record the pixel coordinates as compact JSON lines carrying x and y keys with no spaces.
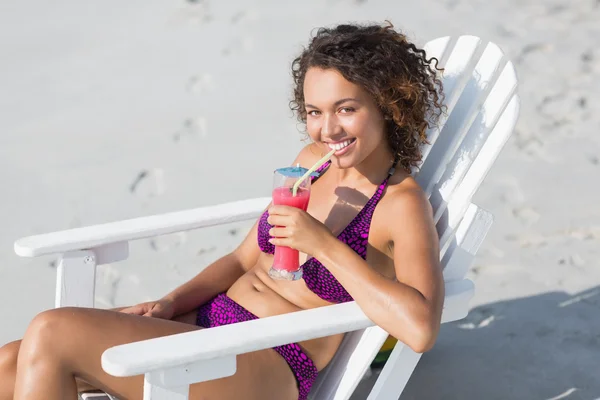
{"x":345,"y":149}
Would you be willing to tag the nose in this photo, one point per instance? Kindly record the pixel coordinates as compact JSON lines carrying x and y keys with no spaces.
{"x":330,"y":126}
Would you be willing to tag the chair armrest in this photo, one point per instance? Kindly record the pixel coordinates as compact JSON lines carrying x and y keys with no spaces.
{"x":138,"y":228}
{"x":186,"y":348}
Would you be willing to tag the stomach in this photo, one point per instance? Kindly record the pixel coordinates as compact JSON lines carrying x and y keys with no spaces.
{"x":265,"y":297}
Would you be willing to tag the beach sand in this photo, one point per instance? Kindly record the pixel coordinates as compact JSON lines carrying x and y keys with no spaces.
{"x":116,"y":110}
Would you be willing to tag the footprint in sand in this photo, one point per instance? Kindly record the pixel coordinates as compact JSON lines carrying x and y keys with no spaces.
{"x":532,"y":48}
{"x":532,"y":146}
{"x":510,"y":191}
{"x":199,"y":10}
{"x":174,"y":268}
{"x":533,"y":241}
{"x":587,"y":59}
{"x":241,"y":17}
{"x":576,"y":260}
{"x":201,"y":83}
{"x":203,"y":251}
{"x":526,"y":215}
{"x":243,"y":44}
{"x":168,"y":242}
{"x":148,"y":183}
{"x":192,"y":127}
{"x":193,"y":11}
{"x":111,"y":278}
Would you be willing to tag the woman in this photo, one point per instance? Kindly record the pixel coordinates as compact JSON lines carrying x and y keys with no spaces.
{"x":368,"y":235}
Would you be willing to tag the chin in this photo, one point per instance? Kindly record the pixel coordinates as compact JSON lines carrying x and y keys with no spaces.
{"x":345,"y":162}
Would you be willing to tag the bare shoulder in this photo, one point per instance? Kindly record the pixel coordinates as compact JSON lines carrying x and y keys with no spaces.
{"x":405,"y":195}
{"x":407,"y":202}
{"x":308,"y":156}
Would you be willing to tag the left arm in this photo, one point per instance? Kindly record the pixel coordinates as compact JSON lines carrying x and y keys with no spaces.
{"x":409,"y":308}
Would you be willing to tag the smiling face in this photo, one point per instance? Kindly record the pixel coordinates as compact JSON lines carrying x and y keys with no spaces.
{"x":341,"y":115}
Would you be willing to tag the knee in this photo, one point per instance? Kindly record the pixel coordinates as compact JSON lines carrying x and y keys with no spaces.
{"x":8,"y":369}
{"x":45,"y":330}
{"x":8,"y":357}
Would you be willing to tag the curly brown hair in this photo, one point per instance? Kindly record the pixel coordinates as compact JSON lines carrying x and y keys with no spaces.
{"x":398,"y":75}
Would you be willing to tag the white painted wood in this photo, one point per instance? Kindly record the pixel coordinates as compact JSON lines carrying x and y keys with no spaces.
{"x":453,"y":80}
{"x":186,"y":348}
{"x":111,"y":253}
{"x":479,"y":82}
{"x":94,"y":396}
{"x":76,"y":279}
{"x":330,"y":382}
{"x":470,"y":234}
{"x":461,"y":198}
{"x":200,"y":371}
{"x":456,"y":301}
{"x":206,"y":344}
{"x":492,"y":127}
{"x":155,"y":392}
{"x":438,"y":48}
{"x":395,"y":374}
{"x":359,"y":362}
{"x":329,"y":378}
{"x":139,"y":228}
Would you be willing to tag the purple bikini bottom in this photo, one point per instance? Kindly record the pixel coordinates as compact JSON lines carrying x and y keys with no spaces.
{"x":221,"y":310}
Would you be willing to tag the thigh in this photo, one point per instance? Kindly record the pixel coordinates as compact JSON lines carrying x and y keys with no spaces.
{"x":10,"y":352}
{"x":261,"y":375}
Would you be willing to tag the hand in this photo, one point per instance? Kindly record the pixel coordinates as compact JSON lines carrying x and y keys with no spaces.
{"x":162,"y":308}
{"x":297,"y":229}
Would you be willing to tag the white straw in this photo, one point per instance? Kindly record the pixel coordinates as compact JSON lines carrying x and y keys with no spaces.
{"x":311,"y":170}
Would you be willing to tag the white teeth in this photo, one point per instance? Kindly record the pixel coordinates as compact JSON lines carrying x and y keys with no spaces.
{"x":339,"y":146}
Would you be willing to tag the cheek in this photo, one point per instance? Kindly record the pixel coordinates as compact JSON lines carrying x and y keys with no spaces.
{"x":360,"y":127}
{"x":313,"y":129}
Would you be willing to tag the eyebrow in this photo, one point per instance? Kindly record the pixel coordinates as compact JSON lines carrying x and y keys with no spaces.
{"x":337,"y":103}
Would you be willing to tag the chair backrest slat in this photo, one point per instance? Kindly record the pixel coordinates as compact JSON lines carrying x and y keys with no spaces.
{"x":453,"y":79}
{"x":479,"y":81}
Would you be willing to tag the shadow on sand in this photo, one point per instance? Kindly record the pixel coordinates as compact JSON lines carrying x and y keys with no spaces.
{"x":540,"y":347}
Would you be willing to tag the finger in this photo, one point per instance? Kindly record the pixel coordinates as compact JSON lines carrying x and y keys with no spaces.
{"x":280,"y":242}
{"x":131,"y":310}
{"x":278,"y":220}
{"x":281,"y":210}
{"x":279,"y":232}
{"x":154,"y":310}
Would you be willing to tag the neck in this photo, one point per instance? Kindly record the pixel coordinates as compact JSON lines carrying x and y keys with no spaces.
{"x":374,"y":168}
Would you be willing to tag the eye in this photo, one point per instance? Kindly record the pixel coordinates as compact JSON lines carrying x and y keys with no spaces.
{"x":346,"y":109}
{"x":313,"y":113}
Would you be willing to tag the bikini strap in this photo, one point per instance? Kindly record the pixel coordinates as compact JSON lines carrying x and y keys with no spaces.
{"x":377,"y":196}
{"x":320,"y":171}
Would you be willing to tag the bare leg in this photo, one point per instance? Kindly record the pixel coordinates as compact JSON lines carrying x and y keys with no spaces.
{"x":8,"y":369}
{"x":9,"y":354}
{"x":66,"y":343}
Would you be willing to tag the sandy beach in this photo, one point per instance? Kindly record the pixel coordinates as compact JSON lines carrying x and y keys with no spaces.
{"x":116,"y":110}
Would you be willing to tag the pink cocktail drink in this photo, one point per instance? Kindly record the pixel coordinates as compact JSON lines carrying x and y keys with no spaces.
{"x":286,"y":261}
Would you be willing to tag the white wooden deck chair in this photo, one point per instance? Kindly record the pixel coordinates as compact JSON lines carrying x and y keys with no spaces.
{"x":483,"y":106}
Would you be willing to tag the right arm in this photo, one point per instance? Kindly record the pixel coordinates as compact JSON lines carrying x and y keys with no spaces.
{"x":217,"y":277}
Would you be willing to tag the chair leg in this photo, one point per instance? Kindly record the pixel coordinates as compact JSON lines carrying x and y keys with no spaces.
{"x":394,"y":376}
